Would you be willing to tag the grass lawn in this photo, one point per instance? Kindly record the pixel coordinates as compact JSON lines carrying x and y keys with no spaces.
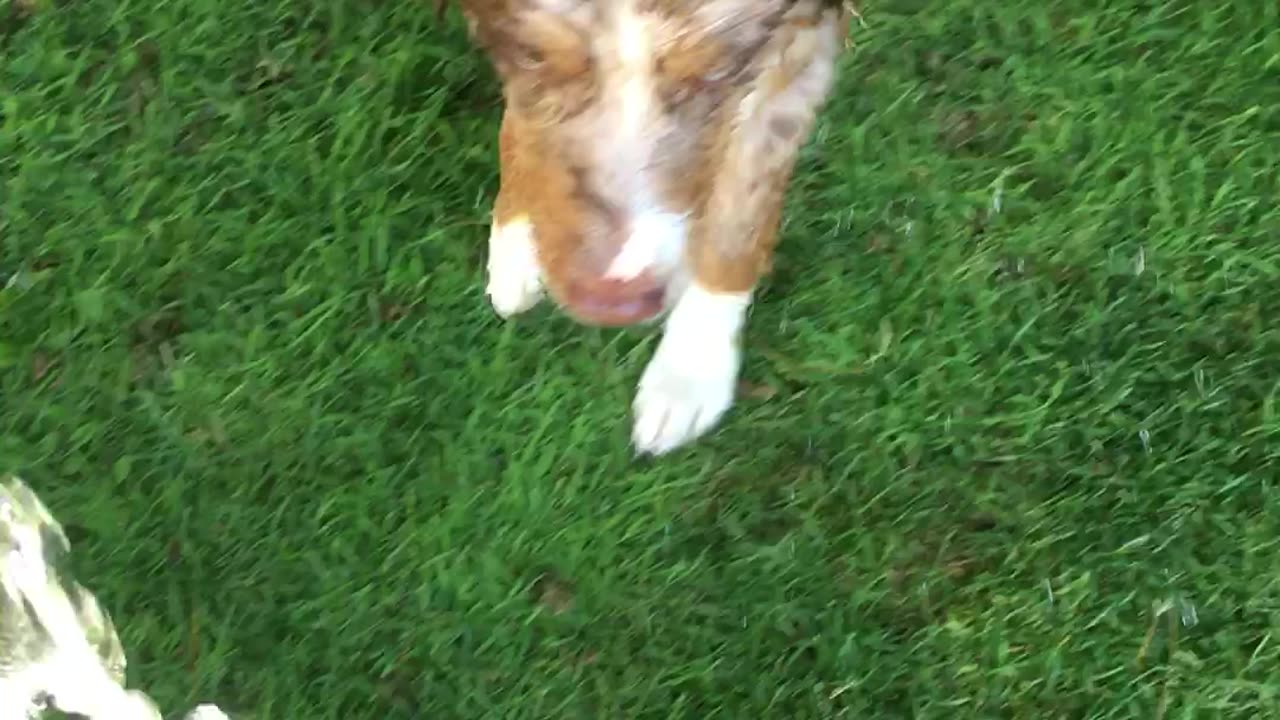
{"x":1009,"y":446}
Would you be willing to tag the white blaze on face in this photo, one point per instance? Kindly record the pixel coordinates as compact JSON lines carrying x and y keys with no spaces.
{"x":634,"y":46}
{"x":655,"y":239}
{"x":632,"y":127}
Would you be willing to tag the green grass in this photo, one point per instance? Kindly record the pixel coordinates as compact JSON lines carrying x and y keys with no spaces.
{"x":1013,"y":464}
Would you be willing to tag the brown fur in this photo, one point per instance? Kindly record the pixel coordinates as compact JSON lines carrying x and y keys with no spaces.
{"x":732,"y":183}
{"x":737,"y":231}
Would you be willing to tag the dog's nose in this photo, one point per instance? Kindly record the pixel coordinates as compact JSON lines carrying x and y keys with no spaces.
{"x":610,"y":302}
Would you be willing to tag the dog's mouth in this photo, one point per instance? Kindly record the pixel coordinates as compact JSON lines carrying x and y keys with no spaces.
{"x":609,"y":302}
{"x":629,"y":275}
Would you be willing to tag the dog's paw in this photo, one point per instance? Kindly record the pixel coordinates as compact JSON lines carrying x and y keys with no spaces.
{"x":690,"y":382}
{"x":206,"y":712}
{"x":681,"y":398}
{"x":514,"y":277}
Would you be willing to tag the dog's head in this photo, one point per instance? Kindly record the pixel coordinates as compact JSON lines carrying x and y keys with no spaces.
{"x":616,"y":114}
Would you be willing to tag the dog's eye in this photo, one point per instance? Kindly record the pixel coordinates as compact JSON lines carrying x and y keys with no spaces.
{"x":692,"y":66}
{"x":720,"y":73}
{"x":680,"y":94}
{"x":681,"y":84}
{"x":527,"y":58}
{"x":545,"y":44}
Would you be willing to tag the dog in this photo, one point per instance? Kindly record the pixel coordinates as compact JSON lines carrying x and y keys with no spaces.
{"x":645,"y":150}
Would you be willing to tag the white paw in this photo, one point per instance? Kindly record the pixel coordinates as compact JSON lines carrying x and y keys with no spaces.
{"x":689,"y":384}
{"x":206,"y":712}
{"x":677,"y":404}
{"x":515,"y":279}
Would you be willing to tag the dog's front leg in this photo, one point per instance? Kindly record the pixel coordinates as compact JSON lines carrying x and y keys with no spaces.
{"x":690,"y":381}
{"x":689,"y":384}
{"x":514,"y":277}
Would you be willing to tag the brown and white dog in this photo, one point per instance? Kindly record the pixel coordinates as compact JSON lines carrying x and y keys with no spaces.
{"x":645,"y":150}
